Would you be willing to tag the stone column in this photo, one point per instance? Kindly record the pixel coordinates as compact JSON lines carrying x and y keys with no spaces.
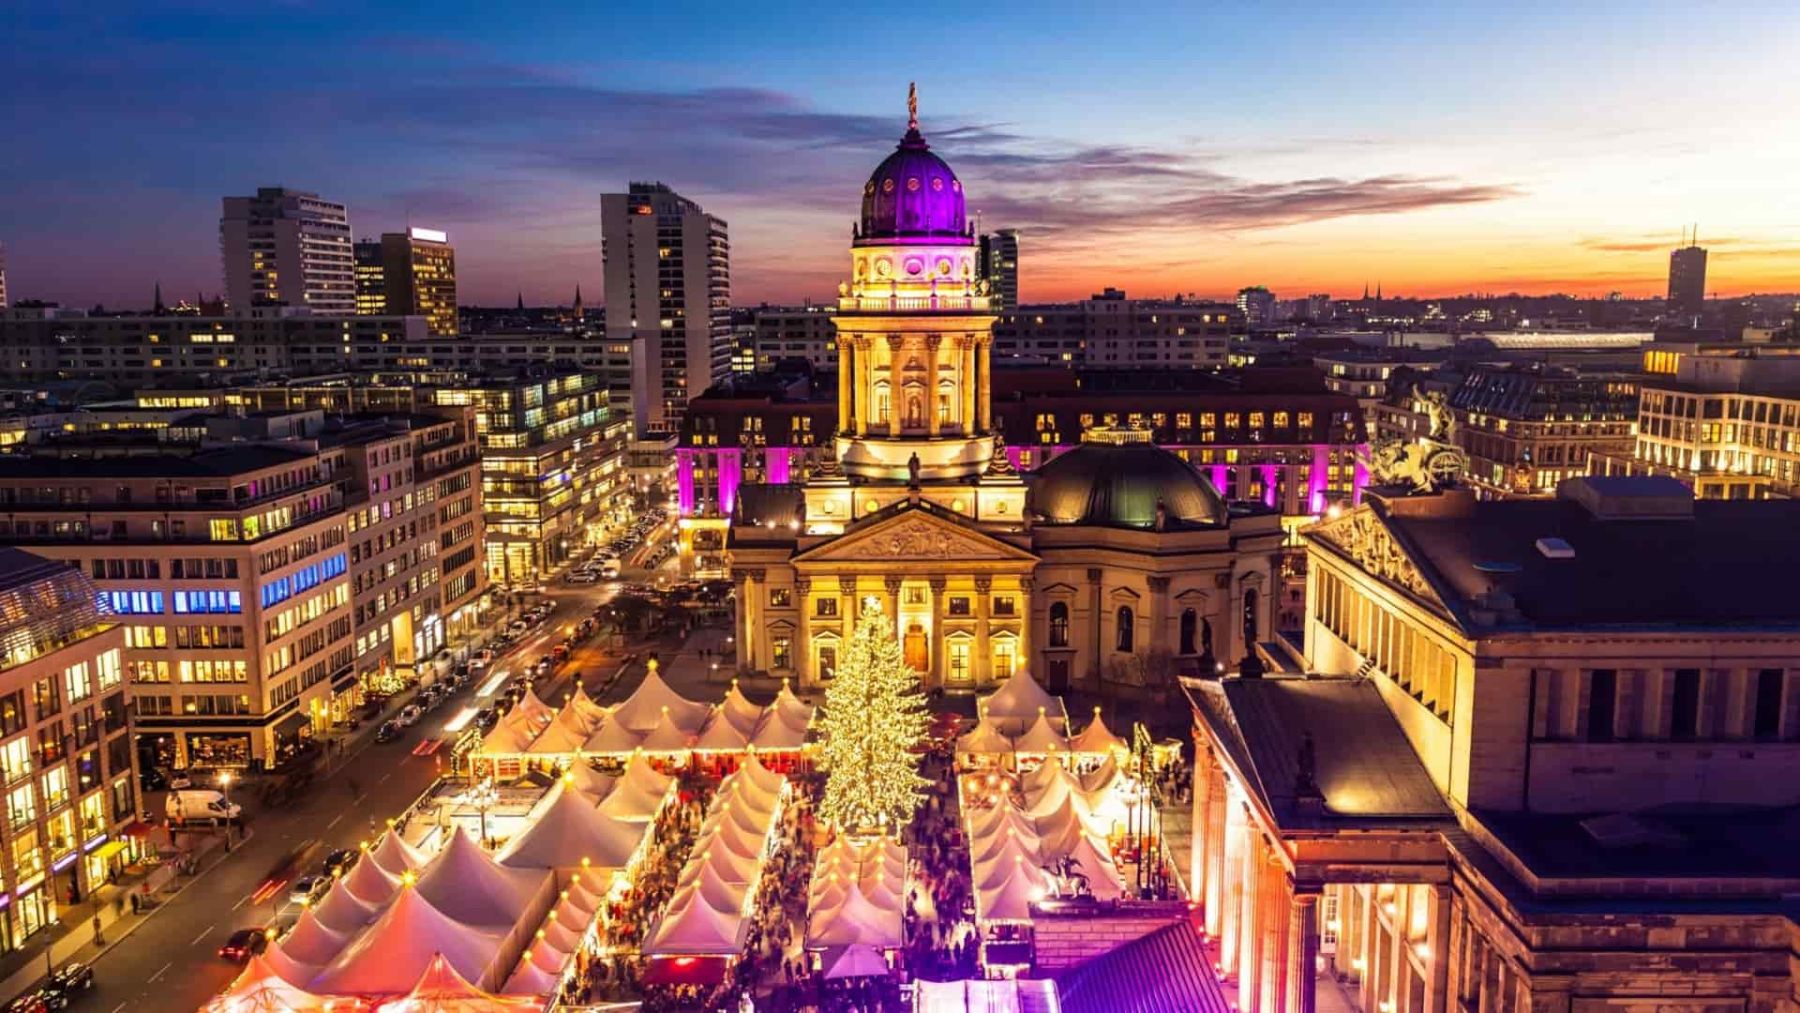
{"x":849,"y":606}
{"x":1275,"y":918}
{"x":746,"y":648}
{"x":1250,"y":928}
{"x":1437,"y":942}
{"x":809,"y":674}
{"x":846,"y":381}
{"x":1230,"y":886}
{"x":983,"y":394}
{"x":896,"y":409}
{"x":937,"y":664}
{"x":965,"y":381}
{"x":1216,"y":834}
{"x":863,"y":377}
{"x":932,"y":341}
{"x":982,"y":665}
{"x":1201,"y":793}
{"x":1303,"y":949}
{"x":1023,"y":661}
{"x":892,"y":586}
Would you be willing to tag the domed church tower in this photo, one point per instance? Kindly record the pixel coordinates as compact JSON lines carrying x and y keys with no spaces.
{"x":914,"y":327}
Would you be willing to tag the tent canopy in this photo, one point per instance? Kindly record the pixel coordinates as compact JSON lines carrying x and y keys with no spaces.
{"x":984,"y":738}
{"x":1041,"y":737}
{"x":393,"y":954}
{"x":441,"y":990}
{"x":1015,"y":705}
{"x":643,"y":710}
{"x":397,"y":856}
{"x":571,"y":832}
{"x":1097,"y":739}
{"x":465,"y":883}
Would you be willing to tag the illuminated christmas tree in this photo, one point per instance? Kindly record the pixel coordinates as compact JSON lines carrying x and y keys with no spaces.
{"x":873,"y":720}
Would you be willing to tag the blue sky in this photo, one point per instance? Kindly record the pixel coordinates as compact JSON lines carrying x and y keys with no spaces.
{"x":1201,"y":147}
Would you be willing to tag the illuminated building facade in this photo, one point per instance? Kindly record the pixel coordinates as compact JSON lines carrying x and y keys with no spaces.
{"x":371,"y":279}
{"x":998,"y":264}
{"x":288,"y":248}
{"x":1111,"y":331}
{"x":65,"y":744}
{"x":1526,"y":428}
{"x":1523,"y":767}
{"x":1687,"y":282}
{"x":418,"y":273}
{"x":1120,"y":567}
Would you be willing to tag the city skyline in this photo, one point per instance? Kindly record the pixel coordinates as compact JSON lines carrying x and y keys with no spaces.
{"x":1396,"y":150}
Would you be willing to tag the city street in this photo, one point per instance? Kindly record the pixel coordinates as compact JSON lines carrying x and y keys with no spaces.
{"x":170,"y":963}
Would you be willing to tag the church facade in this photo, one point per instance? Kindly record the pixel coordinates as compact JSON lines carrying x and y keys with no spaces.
{"x":1115,"y":564}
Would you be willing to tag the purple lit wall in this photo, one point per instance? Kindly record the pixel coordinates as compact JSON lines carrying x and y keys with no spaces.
{"x":1316,"y":478}
{"x":1270,"y":474}
{"x":1218,"y":480}
{"x":731,"y":472}
{"x":684,"y":482}
{"x":780,"y":464}
{"x":1361,"y":479}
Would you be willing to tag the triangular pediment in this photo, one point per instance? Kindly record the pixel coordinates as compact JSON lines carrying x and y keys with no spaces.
{"x":913,"y":533}
{"x":1364,"y":537}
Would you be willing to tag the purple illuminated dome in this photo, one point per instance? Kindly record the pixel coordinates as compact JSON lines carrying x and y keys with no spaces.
{"x":912,"y":194}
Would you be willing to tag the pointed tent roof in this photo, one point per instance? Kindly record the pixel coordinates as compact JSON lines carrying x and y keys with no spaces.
{"x":776,"y":734}
{"x":588,"y":782}
{"x":441,"y":990}
{"x":294,"y":972}
{"x":758,"y":774}
{"x":856,"y":920}
{"x":393,"y":954}
{"x":466,"y":884}
{"x":1003,"y":818}
{"x":643,"y":710}
{"x":342,"y":911}
{"x":722,"y":735}
{"x":695,"y":927}
{"x":1010,"y":898}
{"x":668,"y":736}
{"x":639,"y":771}
{"x":1103,"y":874}
{"x":856,"y":961}
{"x":632,"y":801}
{"x":569,"y":831}
{"x":715,"y":890}
{"x":371,"y":883}
{"x":509,"y":736}
{"x":1096,"y":738}
{"x":1041,"y":738}
{"x":259,"y":988}
{"x":1060,"y":831}
{"x":1034,"y":782}
{"x":737,"y":709}
{"x":566,"y":733}
{"x":396,"y":856}
{"x":311,"y":941}
{"x":733,"y":866}
{"x":1017,"y":702}
{"x":984,"y":738}
{"x":532,"y":710}
{"x":613,"y":737}
{"x":791,"y":708}
{"x":529,"y":979}
{"x":1002,"y":848}
{"x":1100,"y":777}
{"x":586,"y":707}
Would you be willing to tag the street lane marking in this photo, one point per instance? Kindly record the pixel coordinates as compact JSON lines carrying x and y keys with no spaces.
{"x":201,"y":936}
{"x":165,"y":969}
{"x":334,"y":821}
{"x":240,"y":902}
{"x":117,"y":1008}
{"x":384,"y":777}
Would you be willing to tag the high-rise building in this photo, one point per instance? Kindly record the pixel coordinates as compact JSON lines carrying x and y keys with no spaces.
{"x":288,"y":248}
{"x":668,"y":291}
{"x":371,"y":279}
{"x":2,"y":277}
{"x":1258,"y":306}
{"x":418,"y":269}
{"x":1687,"y":281}
{"x":999,"y":265}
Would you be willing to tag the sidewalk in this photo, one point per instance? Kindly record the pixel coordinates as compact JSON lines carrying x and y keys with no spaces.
{"x":74,"y":930}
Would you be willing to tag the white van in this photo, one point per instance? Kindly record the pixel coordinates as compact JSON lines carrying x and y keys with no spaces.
{"x":199,"y":805}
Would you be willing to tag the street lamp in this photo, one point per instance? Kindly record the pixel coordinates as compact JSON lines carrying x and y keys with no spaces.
{"x":225,"y":786}
{"x":483,"y":797}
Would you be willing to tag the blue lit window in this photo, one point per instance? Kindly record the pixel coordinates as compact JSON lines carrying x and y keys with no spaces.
{"x":208,"y":602}
{"x":306,"y":578}
{"x":133,"y":603}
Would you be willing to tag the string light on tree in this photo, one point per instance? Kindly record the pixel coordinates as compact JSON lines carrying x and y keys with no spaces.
{"x":873,"y":720}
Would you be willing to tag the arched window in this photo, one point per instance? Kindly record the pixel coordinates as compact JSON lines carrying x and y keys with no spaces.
{"x":1059,"y":624}
{"x":1250,"y":625}
{"x":1190,"y":623}
{"x":1126,"y":634}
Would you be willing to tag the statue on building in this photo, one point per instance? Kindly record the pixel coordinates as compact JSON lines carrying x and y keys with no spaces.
{"x":912,"y":470}
{"x":1425,"y":464}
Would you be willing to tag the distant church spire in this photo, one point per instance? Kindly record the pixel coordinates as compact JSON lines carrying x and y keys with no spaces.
{"x":1365,"y":292}
{"x":580,"y":313}
{"x":521,"y":300}
{"x":158,"y":309}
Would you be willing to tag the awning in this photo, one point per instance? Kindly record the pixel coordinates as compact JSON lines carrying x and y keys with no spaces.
{"x":137,"y":828}
{"x":109,"y":849}
{"x":291,"y":723}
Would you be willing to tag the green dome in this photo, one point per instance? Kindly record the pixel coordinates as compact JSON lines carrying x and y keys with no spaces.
{"x":1120,"y":485}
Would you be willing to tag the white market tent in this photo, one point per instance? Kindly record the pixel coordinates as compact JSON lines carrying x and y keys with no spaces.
{"x":258,"y":989}
{"x":1015,"y":706}
{"x":737,"y":709}
{"x":392,"y":955}
{"x":570,"y":834}
{"x":590,"y":783}
{"x":396,"y":856}
{"x":644,"y":709}
{"x":986,"y":737}
{"x":1098,"y":740}
{"x":441,"y":990}
{"x":1041,"y":737}
{"x":310,"y":941}
{"x":854,"y":920}
{"x":465,"y":883}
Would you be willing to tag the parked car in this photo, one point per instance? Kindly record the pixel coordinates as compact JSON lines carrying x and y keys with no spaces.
{"x":482,"y":659}
{"x":199,"y":805}
{"x":307,"y":889}
{"x":243,"y":944}
{"x":30,"y":1002}
{"x":341,"y":860}
{"x":154,"y":779}
{"x":66,"y":983}
{"x":389,"y":731}
{"x":584,"y":577}
{"x":409,"y":715}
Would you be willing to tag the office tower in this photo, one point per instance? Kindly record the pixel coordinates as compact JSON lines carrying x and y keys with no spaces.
{"x":371,"y":279}
{"x":288,"y":248}
{"x":668,"y":292}
{"x":2,"y":277}
{"x":999,"y":265}
{"x":1687,"y":281}
{"x":1258,"y":304}
{"x":419,"y":270}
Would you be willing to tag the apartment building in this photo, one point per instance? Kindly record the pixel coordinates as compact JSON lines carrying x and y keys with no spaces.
{"x":66,"y":755}
{"x":794,"y":332}
{"x":1112,"y":331}
{"x":286,"y":247}
{"x":1526,"y":428}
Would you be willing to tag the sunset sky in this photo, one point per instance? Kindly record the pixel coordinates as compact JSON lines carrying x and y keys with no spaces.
{"x":1312,"y":147}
